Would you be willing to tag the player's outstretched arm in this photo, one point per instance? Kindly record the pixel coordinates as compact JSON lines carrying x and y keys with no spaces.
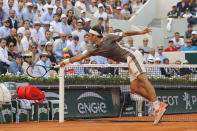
{"x":73,"y":59}
{"x":132,"y":33}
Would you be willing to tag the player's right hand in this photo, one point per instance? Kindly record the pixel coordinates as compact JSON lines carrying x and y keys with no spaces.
{"x":62,"y":64}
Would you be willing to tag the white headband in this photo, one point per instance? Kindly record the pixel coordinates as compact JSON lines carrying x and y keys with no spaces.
{"x":94,"y":32}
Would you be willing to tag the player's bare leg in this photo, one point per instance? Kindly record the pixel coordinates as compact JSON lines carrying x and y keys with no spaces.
{"x":148,"y":92}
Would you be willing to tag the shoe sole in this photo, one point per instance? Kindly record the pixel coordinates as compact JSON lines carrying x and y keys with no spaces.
{"x":161,"y":115}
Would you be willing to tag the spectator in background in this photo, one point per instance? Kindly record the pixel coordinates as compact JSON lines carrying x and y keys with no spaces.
{"x":40,"y":6}
{"x":27,"y":57}
{"x":4,"y":62}
{"x":56,"y":26}
{"x":83,"y":15}
{"x":92,"y":6}
{"x":117,"y":14}
{"x":80,"y":4}
{"x":166,"y":71}
{"x":43,"y":61}
{"x":187,"y":13}
{"x":11,"y":52}
{"x":25,"y":27}
{"x":40,"y":47}
{"x":12,"y":20}
{"x":34,"y":52}
{"x":178,"y":42}
{"x":27,"y":40}
{"x":49,"y":50}
{"x":65,"y":27}
{"x":84,"y":43}
{"x":19,"y":46}
{"x":36,"y":14}
{"x":160,"y":53}
{"x":194,"y":38}
{"x":100,"y":12}
{"x":109,"y":13}
{"x":145,"y":46}
{"x":110,"y":70}
{"x":19,"y":12}
{"x":130,"y":43}
{"x":70,"y":15}
{"x":44,"y":29}
{"x":87,"y":69}
{"x":9,"y":6}
{"x":182,"y":7}
{"x":56,"y":6}
{"x":65,"y":7}
{"x":2,"y":13}
{"x":170,"y":47}
{"x":28,"y":13}
{"x":48,"y":4}
{"x":152,"y":54}
{"x":75,"y":46}
{"x":100,"y":24}
{"x":48,"y":16}
{"x":59,"y":12}
{"x":87,"y":25}
{"x":79,"y":31}
{"x":5,"y":30}
{"x":173,"y":13}
{"x":36,"y":32}
{"x":125,"y":12}
{"x":94,"y":70}
{"x":12,"y":37}
{"x":186,"y":72}
{"x":48,"y":37}
{"x":59,"y":45}
{"x":188,"y":33}
{"x":16,"y":65}
{"x":137,"y":6}
{"x":193,"y":19}
{"x":189,"y":46}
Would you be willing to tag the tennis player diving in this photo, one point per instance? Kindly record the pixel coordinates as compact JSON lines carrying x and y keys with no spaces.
{"x":109,"y":47}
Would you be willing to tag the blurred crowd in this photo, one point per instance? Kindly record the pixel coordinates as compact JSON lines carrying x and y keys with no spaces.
{"x":46,"y":31}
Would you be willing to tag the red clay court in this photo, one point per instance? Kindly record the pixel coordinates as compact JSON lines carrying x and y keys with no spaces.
{"x":169,"y":123}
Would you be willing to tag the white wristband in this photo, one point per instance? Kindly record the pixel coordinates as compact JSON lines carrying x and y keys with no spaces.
{"x":66,"y":61}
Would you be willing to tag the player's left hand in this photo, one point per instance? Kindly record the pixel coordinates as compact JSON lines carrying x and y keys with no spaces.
{"x":147,"y":30}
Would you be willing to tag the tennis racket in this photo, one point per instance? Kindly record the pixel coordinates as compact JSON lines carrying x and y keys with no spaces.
{"x":40,"y":71}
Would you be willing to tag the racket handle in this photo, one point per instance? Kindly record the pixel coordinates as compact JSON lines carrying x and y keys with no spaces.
{"x":57,"y":66}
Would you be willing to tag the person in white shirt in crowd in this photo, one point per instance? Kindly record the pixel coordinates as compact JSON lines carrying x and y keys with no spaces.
{"x":5,"y":30}
{"x":145,"y":46}
{"x":137,"y":6}
{"x":4,"y":62}
{"x":130,"y":43}
{"x":40,"y":6}
{"x":28,"y":13}
{"x":84,"y":43}
{"x":83,"y":15}
{"x":154,"y":71}
{"x":43,"y":61}
{"x":152,"y":54}
{"x":27,"y":58}
{"x":48,"y":16}
{"x":92,"y":6}
{"x":64,"y":26}
{"x":187,"y":13}
{"x":19,"y":11}
{"x":125,"y":12}
{"x":56,"y":26}
{"x":41,"y":47}
{"x":36,"y":13}
{"x":80,"y":4}
{"x":75,"y":46}
{"x":26,"y":26}
{"x":8,"y":5}
{"x":69,"y":39}
{"x":48,"y":37}
{"x":100,"y":12}
{"x":36,"y":33}
{"x":27,"y":40}
{"x":44,"y":29}
{"x":117,"y":14}
{"x":57,"y":5}
{"x":65,"y":7}
{"x":178,"y":42}
{"x":47,"y":5}
{"x":160,"y":53}
{"x":87,"y":25}
{"x":59,"y":45}
{"x":34,"y":51}
{"x":79,"y":31}
{"x":3,"y":15}
{"x":19,"y":46}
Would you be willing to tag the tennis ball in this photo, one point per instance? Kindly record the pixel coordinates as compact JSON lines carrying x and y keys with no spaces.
{"x":65,"y":50}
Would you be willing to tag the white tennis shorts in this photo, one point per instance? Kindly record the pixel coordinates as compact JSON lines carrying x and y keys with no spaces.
{"x":135,"y":64}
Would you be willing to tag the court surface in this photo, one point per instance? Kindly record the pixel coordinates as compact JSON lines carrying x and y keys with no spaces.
{"x":109,"y":124}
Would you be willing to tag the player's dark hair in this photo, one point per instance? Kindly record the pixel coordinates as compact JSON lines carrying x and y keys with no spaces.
{"x":98,"y":30}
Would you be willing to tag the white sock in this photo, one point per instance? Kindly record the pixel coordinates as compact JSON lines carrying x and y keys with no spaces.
{"x":156,"y":105}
